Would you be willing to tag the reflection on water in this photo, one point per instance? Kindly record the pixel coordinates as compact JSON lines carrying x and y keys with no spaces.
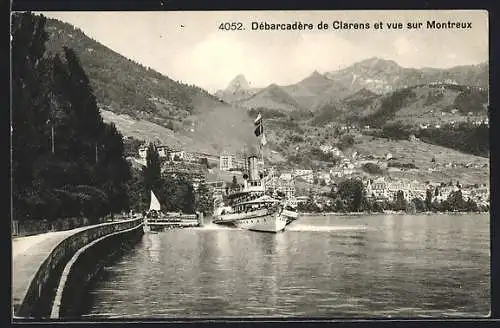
{"x":376,"y":266}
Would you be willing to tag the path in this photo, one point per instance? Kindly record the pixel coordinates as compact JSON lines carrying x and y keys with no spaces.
{"x":28,"y":254}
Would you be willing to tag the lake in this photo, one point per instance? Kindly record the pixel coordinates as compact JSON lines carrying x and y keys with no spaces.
{"x":379,"y":266}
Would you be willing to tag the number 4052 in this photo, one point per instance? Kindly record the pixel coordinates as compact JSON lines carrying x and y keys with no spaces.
{"x":234,"y":26}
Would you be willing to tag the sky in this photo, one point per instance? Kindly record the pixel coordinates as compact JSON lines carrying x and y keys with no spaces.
{"x":190,"y":47}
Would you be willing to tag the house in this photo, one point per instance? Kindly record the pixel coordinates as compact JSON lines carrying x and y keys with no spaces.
{"x":218,"y":187}
{"x":162,"y":151}
{"x":286,"y":187}
{"x":227,"y":162}
{"x":286,"y":176}
{"x":377,"y":188}
{"x":325,"y":176}
{"x":191,"y":157}
{"x":143,"y":150}
{"x":307,"y":175}
{"x":302,"y":199}
{"x":177,"y":155}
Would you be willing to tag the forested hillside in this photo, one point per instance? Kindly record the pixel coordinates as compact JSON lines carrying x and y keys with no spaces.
{"x":122,"y":85}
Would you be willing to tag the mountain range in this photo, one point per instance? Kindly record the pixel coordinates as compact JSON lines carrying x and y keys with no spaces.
{"x":377,"y":75}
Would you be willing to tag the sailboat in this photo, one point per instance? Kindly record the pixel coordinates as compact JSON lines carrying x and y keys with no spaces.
{"x":154,"y":204}
{"x":154,"y":207}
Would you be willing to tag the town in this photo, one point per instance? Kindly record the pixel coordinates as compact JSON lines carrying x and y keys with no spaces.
{"x":224,"y":172}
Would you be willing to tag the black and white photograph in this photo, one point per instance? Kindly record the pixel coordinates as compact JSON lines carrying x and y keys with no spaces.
{"x":250,"y":164}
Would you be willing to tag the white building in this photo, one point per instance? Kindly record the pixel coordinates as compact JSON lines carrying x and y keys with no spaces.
{"x":226,"y":162}
{"x":161,"y":150}
{"x":307,"y":175}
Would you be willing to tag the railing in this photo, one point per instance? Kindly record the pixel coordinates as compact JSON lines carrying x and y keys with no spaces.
{"x":38,"y":297}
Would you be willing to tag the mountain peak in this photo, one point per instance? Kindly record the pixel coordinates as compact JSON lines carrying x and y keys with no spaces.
{"x":238,"y":83}
{"x":377,"y":62}
{"x":315,"y":77}
{"x":316,"y":74}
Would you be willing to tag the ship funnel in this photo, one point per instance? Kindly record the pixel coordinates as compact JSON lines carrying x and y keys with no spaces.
{"x":252,"y":168}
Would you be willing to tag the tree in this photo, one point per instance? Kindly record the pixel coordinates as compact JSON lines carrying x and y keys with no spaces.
{"x":455,"y":201}
{"x":339,"y":205}
{"x":471,"y":206}
{"x":372,"y":168}
{"x":65,"y":160}
{"x":420,"y":205}
{"x":204,"y":162}
{"x":352,"y":191}
{"x":30,"y":110}
{"x":400,"y":201}
{"x":428,"y":199}
{"x":152,"y":171}
{"x":204,"y":200}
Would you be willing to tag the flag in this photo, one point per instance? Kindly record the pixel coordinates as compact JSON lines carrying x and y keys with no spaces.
{"x":259,"y":128}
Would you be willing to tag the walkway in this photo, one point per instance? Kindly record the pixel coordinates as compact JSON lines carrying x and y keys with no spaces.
{"x":28,"y":254}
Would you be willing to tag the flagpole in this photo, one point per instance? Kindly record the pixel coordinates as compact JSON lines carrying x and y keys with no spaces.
{"x":52,"y":138}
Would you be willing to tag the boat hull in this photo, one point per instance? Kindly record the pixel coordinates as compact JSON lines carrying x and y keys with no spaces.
{"x":290,"y":216}
{"x":264,"y":223}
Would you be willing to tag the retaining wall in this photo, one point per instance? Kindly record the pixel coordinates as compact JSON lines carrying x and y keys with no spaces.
{"x":84,"y":266}
{"x":39,"y":296}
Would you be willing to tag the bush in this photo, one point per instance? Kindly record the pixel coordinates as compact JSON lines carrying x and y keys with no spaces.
{"x":372,"y":168}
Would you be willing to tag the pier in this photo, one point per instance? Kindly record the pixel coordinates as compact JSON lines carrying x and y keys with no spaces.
{"x":174,"y":220}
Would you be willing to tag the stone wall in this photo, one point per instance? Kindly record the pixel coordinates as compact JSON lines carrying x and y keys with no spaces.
{"x":84,"y":266}
{"x":33,"y":227}
{"x":39,"y":296}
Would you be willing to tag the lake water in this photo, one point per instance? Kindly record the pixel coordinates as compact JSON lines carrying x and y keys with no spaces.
{"x":388,"y":266}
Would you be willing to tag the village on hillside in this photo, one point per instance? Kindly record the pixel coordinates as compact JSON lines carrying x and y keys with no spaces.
{"x":385,"y":178}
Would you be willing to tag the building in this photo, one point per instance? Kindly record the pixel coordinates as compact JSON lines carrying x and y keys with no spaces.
{"x":228,"y":162}
{"x":377,"y":189}
{"x":143,"y":150}
{"x":218,"y":187}
{"x":281,"y":185}
{"x":307,"y":175}
{"x":325,"y":176}
{"x":162,"y":151}
{"x":177,"y":155}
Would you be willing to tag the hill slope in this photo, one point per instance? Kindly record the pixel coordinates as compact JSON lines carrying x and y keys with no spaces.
{"x":148,"y":105}
{"x":422,"y":104}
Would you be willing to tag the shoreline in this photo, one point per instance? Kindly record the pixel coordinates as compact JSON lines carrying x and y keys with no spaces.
{"x":385,"y":213}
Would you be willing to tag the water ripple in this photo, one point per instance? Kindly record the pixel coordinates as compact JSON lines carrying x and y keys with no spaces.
{"x":377,"y":266}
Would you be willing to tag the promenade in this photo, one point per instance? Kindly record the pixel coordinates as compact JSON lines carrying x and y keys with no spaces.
{"x":28,"y":254}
